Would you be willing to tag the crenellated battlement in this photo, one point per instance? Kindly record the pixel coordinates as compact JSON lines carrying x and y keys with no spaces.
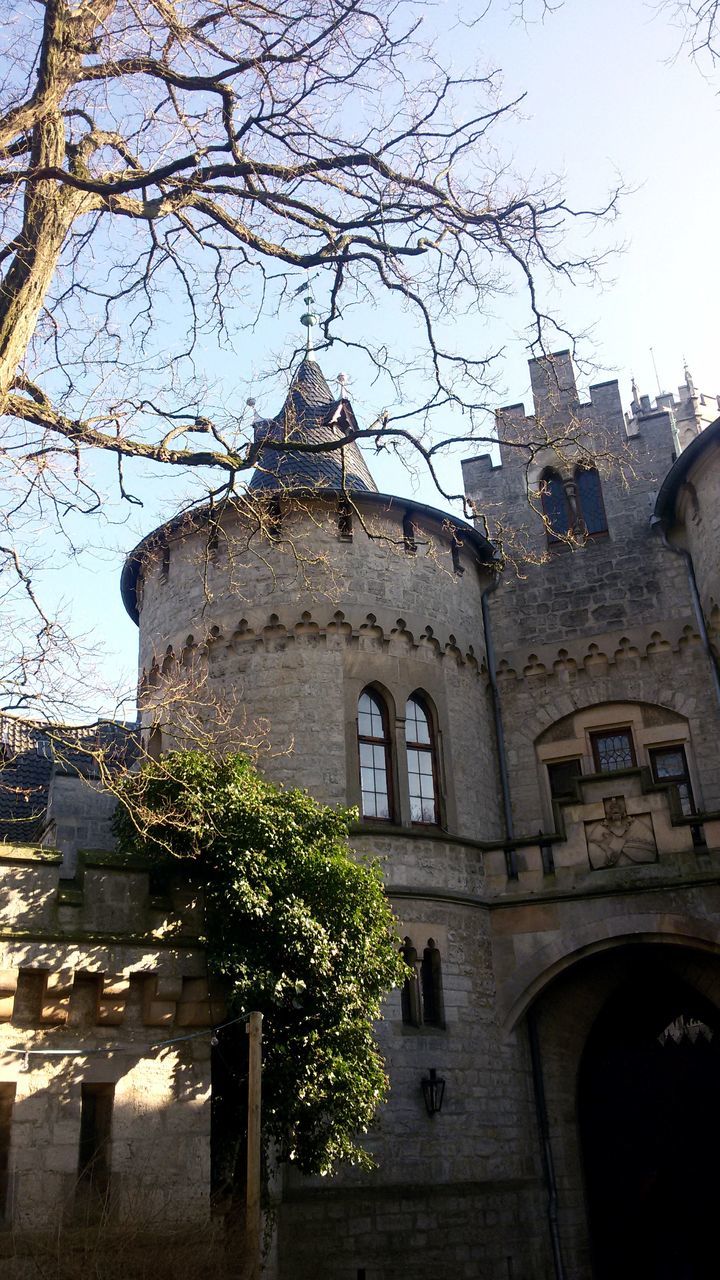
{"x":99,"y":950}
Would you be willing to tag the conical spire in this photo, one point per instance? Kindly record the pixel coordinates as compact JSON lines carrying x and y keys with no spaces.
{"x":311,"y":415}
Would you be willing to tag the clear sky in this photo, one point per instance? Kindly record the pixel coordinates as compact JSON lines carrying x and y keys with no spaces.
{"x":608,"y":95}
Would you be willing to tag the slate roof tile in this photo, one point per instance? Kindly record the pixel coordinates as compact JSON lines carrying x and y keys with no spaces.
{"x":31,"y":753}
{"x":311,"y":415}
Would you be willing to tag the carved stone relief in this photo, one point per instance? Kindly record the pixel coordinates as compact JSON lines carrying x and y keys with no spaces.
{"x":620,"y":837}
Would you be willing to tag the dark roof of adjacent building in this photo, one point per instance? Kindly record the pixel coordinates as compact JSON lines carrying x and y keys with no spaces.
{"x":311,"y":415}
{"x":31,"y":753}
{"x":676,"y":476}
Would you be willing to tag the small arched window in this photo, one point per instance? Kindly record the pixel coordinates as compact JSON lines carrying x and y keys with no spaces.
{"x":410,"y":996}
{"x":431,"y":984}
{"x":374,"y":751}
{"x":422,"y":771}
{"x":555,"y":506}
{"x":590,"y":500}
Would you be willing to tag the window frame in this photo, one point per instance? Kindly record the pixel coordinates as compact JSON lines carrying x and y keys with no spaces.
{"x":566,"y":761}
{"x":678,"y":780}
{"x":7,"y":1105}
{"x":428,"y":748}
{"x":595,"y":533}
{"x":410,"y":993}
{"x":610,"y":732}
{"x":554,"y":536}
{"x":431,"y":990}
{"x":95,"y":1138}
{"x":386,"y":742}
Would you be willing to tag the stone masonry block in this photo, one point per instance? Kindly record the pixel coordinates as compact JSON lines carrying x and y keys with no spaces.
{"x":8,"y":987}
{"x":112,"y":999}
{"x":160,"y":999}
{"x":56,"y":997}
{"x":196,"y":1007}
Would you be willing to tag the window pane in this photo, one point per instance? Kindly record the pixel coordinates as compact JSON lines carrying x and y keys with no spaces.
{"x":589,"y":496}
{"x":416,"y":809}
{"x":562,"y":775}
{"x":669,"y":764}
{"x":368,"y":804}
{"x":421,"y":783}
{"x":686,"y":800}
{"x":382,"y":807}
{"x":370,"y":717}
{"x":417,"y":728}
{"x":613,"y":750}
{"x":555,"y":504}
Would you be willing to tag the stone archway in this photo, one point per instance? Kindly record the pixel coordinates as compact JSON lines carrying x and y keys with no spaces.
{"x":649,"y":1121}
{"x":586,"y":1013}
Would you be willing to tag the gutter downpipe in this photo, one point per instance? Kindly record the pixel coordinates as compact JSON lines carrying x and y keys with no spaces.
{"x":512,"y":873}
{"x":510,"y":858}
{"x":657,"y":523}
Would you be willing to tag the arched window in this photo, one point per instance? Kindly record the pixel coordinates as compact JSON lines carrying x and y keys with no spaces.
{"x":555,"y":505}
{"x":431,"y":984}
{"x":374,"y":750}
{"x":422,"y":773}
{"x":410,"y":996}
{"x":590,"y":500}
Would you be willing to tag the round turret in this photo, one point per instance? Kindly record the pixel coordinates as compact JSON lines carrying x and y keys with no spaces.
{"x":284,"y":606}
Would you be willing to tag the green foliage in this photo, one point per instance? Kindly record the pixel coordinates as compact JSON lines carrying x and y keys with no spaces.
{"x":296,"y":927}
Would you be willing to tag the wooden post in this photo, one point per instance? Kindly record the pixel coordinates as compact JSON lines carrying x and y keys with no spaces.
{"x":253,"y":1214}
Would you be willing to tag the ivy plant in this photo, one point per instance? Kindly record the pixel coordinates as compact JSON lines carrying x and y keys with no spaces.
{"x":297,"y":926}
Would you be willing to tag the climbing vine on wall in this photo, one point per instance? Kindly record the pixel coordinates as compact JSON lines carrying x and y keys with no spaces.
{"x":296,"y":926}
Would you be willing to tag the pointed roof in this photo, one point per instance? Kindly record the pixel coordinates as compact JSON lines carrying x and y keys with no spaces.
{"x":311,"y":415}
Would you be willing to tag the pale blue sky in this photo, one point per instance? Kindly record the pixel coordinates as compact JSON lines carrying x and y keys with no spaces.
{"x":606,"y":97}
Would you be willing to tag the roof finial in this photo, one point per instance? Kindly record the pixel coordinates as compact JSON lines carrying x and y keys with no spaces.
{"x":309,"y":319}
{"x":635,"y":396}
{"x":343,"y":381}
{"x":688,"y":378}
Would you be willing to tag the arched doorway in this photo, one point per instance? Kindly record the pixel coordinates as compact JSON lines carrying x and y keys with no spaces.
{"x":649,"y":1115}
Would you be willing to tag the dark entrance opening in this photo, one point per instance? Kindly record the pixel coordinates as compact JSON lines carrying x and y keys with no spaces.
{"x":228,"y":1121}
{"x":649,"y":1113}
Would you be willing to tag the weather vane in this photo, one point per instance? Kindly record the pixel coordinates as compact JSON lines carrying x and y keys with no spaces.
{"x":310,"y":317}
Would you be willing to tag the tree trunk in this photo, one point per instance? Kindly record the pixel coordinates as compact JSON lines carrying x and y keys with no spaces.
{"x":50,"y":208}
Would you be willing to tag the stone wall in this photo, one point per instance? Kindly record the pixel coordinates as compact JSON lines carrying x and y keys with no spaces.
{"x":698,"y":527}
{"x":95,"y":975}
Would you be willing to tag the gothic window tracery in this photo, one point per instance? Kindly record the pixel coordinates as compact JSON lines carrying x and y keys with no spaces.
{"x":555,"y":506}
{"x":613,"y":749}
{"x":573,"y":506}
{"x":591,"y":507}
{"x":410,"y":995}
{"x":421,"y":762}
{"x":374,"y":752}
{"x":430,"y":981}
{"x":421,"y":997}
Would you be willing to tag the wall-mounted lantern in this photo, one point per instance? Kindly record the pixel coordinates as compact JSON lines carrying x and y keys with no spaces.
{"x":433,"y":1087}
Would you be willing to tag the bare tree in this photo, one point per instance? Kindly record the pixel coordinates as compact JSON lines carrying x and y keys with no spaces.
{"x":698,"y":22}
{"x":198,"y":154}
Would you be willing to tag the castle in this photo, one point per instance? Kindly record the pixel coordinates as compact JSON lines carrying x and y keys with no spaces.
{"x":534,"y":757}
